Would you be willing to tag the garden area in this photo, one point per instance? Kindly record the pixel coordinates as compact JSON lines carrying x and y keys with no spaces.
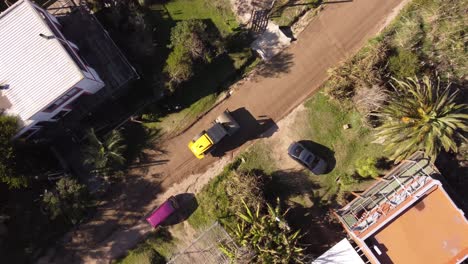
{"x":404,"y":91}
{"x":286,"y":12}
{"x":187,"y":53}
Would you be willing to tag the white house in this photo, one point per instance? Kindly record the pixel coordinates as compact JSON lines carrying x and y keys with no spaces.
{"x":41,"y":72}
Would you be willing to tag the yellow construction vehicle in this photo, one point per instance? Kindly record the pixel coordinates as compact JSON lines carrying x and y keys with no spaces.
{"x":203,"y":143}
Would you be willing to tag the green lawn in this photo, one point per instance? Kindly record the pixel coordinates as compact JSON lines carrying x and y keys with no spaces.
{"x":199,"y":94}
{"x":214,"y":202}
{"x":325,"y":127}
{"x":218,"y":11}
{"x":322,"y":125}
{"x":287,"y":12}
{"x":156,"y":249}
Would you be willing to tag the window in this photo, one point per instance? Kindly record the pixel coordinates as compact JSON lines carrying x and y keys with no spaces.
{"x":60,"y":114}
{"x":29,"y":133}
{"x":72,"y":92}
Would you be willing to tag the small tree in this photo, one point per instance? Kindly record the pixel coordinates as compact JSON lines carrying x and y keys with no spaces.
{"x":106,"y":153}
{"x":68,"y":200}
{"x":367,"y":167}
{"x":191,"y":34}
{"x":269,"y":235}
{"x":8,"y":175}
{"x":404,"y":64}
{"x":189,"y":42}
{"x":179,"y":65}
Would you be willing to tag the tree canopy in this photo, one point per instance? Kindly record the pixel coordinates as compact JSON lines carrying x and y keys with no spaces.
{"x":422,"y":116}
{"x":68,"y":200}
{"x":8,"y":128}
{"x":189,"y":42}
{"x":106,"y":153}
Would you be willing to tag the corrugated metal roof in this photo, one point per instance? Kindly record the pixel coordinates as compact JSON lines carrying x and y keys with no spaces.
{"x":341,"y":253}
{"x":37,"y":70}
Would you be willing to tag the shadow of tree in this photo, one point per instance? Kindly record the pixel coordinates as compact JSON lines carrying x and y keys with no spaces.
{"x":115,"y":228}
{"x":288,"y":183}
{"x":273,"y":68}
{"x":453,"y":169}
{"x":320,"y":230}
{"x":142,"y":144}
{"x":384,"y":163}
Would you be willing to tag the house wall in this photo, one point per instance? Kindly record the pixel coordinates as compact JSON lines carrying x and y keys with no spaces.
{"x":86,"y":86}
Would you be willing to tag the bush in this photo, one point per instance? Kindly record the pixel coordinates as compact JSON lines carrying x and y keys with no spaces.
{"x":8,"y":173}
{"x":143,"y":255}
{"x":404,"y":64}
{"x":368,"y":100}
{"x":367,"y":167}
{"x":179,"y":66}
{"x":189,"y":42}
{"x":222,"y":197}
{"x":365,"y":69}
{"x":69,"y":200}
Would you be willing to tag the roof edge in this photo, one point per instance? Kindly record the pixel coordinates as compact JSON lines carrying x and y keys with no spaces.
{"x":13,"y":6}
{"x":429,"y":188}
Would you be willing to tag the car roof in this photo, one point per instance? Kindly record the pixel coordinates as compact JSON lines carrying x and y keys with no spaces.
{"x":293,"y":146}
{"x":201,"y":144}
{"x":161,"y":213}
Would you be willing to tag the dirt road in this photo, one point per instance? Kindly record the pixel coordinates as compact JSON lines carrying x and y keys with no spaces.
{"x":334,"y":35}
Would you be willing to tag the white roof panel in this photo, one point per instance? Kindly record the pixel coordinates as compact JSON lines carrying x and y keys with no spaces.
{"x":341,"y":253}
{"x":37,"y":70}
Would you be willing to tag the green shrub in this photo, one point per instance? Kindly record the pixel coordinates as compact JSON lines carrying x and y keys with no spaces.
{"x":366,"y":167}
{"x":348,"y":179}
{"x":143,"y":255}
{"x":404,"y":64}
{"x":222,"y":197}
{"x":365,"y":69}
{"x":69,"y":200}
{"x":8,"y":158}
{"x":179,"y":65}
{"x":190,"y":41}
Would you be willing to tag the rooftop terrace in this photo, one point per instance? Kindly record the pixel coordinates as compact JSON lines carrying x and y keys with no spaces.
{"x":382,"y":200}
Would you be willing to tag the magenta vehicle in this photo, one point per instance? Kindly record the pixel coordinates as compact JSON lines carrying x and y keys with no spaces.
{"x":162,"y":212}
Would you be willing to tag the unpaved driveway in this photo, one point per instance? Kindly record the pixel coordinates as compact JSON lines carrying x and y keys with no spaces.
{"x":337,"y":33}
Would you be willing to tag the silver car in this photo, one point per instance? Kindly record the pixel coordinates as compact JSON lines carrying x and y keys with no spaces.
{"x":311,"y":161}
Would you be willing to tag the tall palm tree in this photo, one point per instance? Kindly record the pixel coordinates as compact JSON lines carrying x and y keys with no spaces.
{"x":106,"y":153}
{"x":422,"y":116}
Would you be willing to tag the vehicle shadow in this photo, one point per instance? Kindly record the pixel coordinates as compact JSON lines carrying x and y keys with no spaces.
{"x":250,"y":129}
{"x":187,"y":206}
{"x":324,"y":152}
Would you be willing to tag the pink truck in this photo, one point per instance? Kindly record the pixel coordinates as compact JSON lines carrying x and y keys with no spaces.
{"x":162,"y":212}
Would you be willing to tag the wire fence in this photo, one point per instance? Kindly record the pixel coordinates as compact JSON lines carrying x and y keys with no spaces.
{"x":206,"y":249}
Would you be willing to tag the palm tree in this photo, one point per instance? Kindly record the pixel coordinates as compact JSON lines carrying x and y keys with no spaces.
{"x":422,"y":116}
{"x":106,"y":153}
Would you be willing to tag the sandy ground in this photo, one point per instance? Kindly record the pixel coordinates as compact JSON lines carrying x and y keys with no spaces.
{"x":259,"y":103}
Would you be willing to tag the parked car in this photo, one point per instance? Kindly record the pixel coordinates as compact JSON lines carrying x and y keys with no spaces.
{"x":305,"y":157}
{"x":161,"y":213}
